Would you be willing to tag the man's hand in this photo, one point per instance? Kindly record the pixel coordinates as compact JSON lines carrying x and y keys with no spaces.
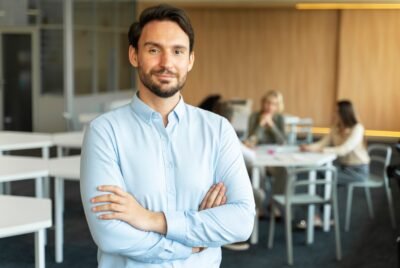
{"x":215,"y":197}
{"x":120,"y":205}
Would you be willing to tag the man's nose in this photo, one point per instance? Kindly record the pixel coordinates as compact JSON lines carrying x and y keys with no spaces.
{"x":166,"y":60}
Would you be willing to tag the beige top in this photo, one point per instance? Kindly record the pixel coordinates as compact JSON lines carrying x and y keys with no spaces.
{"x":348,"y":146}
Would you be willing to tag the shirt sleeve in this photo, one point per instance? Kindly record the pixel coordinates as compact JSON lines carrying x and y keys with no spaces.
{"x":232,"y":222}
{"x":355,"y":138}
{"x":99,"y":166}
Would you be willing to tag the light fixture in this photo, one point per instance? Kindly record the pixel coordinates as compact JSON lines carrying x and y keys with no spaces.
{"x":319,"y":6}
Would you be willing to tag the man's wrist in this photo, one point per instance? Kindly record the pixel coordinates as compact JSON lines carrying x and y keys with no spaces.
{"x":157,"y":222}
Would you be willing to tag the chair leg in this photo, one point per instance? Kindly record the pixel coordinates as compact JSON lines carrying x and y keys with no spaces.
{"x":369,"y":202}
{"x":271,"y":228}
{"x":391,"y":209}
{"x":289,"y":242}
{"x":348,"y":207}
{"x":337,"y":230}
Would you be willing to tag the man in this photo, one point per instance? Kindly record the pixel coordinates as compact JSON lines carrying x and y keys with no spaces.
{"x":163,"y":183}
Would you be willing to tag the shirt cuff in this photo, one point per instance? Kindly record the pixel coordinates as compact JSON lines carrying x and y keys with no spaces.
{"x":176,"y":225}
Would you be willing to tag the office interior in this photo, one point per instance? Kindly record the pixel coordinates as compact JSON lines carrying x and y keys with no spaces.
{"x":63,"y":63}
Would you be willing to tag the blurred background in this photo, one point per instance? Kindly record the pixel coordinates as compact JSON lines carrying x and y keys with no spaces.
{"x":64,"y":62}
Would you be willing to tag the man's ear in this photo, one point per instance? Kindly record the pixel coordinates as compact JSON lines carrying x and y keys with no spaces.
{"x":133,"y":56}
{"x":191,"y":61}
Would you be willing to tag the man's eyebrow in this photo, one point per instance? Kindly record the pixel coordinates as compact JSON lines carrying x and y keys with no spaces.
{"x":150,"y":43}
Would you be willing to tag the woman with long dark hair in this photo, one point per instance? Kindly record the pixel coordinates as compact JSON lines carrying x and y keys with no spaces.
{"x":346,"y":140}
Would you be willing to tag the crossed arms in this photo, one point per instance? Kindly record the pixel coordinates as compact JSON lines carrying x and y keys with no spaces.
{"x":226,"y":214}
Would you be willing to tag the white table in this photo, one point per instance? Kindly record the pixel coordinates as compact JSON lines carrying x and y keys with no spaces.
{"x":16,"y":140}
{"x":22,"y":215}
{"x":62,"y":168}
{"x":68,"y":140}
{"x":289,"y":157}
{"x":14,"y":168}
{"x":85,"y":118}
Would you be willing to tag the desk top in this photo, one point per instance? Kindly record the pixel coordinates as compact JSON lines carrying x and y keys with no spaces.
{"x":68,"y":139}
{"x":21,"y":215}
{"x":16,"y":140}
{"x":289,"y":156}
{"x":14,"y":168}
{"x":65,"y":167}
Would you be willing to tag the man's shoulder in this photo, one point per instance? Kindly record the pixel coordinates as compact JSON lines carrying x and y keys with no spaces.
{"x":111,"y":118}
{"x":203,"y":115}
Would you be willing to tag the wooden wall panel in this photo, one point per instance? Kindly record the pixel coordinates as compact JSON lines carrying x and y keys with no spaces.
{"x":245,"y":52}
{"x":370,"y":64}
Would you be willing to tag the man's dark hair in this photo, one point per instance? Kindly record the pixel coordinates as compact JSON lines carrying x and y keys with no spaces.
{"x":161,"y":12}
{"x":346,"y":113}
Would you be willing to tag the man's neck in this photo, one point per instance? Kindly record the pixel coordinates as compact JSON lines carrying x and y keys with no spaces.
{"x":162,"y":105}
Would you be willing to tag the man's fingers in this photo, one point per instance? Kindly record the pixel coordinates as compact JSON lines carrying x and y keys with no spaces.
{"x":112,"y":198}
{"x":213,"y":195}
{"x":112,"y":216}
{"x":112,"y":189}
{"x":220,"y":196}
{"x":204,"y":202}
{"x":224,"y":200}
{"x":109,"y":207}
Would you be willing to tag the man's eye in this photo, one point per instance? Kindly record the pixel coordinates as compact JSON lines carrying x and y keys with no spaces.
{"x":153,"y":51}
{"x":178,"y":52}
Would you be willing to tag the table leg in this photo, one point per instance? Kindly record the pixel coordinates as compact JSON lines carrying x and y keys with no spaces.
{"x":255,"y":179}
{"x":59,"y":224}
{"x":39,"y":187}
{"x":46,"y":182}
{"x":327,"y":195}
{"x":311,"y":209}
{"x":40,"y":260}
{"x":60,"y":153}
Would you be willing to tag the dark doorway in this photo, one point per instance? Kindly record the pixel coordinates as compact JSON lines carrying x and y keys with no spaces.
{"x":17,"y":81}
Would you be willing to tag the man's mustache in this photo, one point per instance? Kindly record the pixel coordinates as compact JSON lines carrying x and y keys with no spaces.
{"x":163,"y":71}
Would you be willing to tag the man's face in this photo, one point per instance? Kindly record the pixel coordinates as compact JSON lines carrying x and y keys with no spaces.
{"x":163,"y":58}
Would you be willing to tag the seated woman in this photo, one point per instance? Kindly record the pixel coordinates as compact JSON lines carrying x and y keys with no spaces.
{"x":267,"y":125}
{"x":346,"y":140}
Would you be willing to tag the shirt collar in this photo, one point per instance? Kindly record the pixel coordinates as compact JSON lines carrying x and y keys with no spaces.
{"x":146,"y":113}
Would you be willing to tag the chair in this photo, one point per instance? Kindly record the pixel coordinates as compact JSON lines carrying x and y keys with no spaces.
{"x":291,"y":198}
{"x":25,"y":215}
{"x":373,"y":181}
{"x":297,"y":128}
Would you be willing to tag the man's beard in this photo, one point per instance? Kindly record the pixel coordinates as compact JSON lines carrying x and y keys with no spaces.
{"x":147,"y":81}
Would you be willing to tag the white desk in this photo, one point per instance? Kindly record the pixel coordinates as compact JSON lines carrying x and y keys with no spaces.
{"x":71,"y":140}
{"x":85,"y":118}
{"x":22,"y":215}
{"x":14,"y":168}
{"x":62,"y":168}
{"x":16,"y":140}
{"x":289,"y":157}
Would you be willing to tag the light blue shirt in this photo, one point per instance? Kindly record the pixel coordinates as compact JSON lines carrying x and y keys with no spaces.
{"x":168,"y":169}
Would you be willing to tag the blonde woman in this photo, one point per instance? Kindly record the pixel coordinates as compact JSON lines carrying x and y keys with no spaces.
{"x":267,"y":125}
